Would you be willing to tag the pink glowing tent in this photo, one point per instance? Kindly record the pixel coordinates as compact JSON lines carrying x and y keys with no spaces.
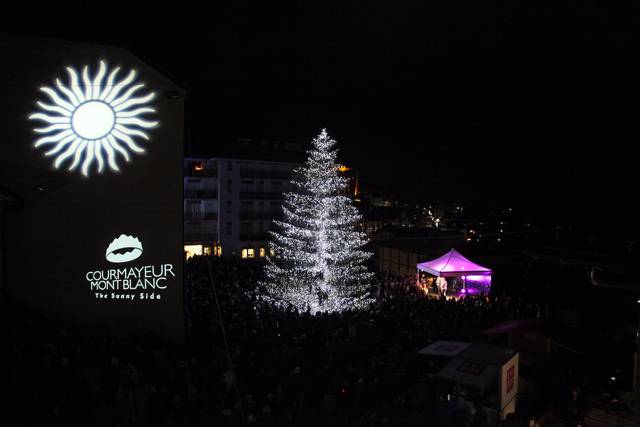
{"x":453,"y":264}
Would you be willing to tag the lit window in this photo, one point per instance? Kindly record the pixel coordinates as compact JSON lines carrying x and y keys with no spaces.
{"x":207,"y":250}
{"x":217,"y":250}
{"x":198,"y":166}
{"x":251,"y":253}
{"x":262,"y":252}
{"x":244,"y":253}
{"x":192,"y":250}
{"x":272,"y":252}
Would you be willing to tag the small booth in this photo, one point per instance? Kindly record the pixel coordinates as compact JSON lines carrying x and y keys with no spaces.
{"x":484,"y":376}
{"x":454,"y":276}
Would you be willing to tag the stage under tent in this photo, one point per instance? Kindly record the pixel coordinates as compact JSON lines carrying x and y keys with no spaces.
{"x":453,"y":275}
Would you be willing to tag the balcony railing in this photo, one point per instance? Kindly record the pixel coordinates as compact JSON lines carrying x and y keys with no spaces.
{"x":202,"y":172}
{"x":200,"y":237}
{"x":265,"y":174}
{"x":261,"y":215}
{"x":244,"y":237}
{"x":201,"y":215}
{"x":262,"y":195}
{"x":200,"y":194}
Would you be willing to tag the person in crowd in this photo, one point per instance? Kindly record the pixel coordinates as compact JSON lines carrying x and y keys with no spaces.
{"x":284,"y":367}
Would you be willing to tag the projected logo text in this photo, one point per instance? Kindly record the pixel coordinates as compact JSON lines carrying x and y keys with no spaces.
{"x":131,"y":283}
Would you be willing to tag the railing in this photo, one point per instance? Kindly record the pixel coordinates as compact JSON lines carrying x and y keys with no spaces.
{"x":261,"y":215}
{"x":203,"y":172}
{"x":200,"y":194}
{"x":274,"y":195}
{"x":253,"y":236}
{"x":265,"y":174}
{"x":200,"y":237}
{"x":201,"y":215}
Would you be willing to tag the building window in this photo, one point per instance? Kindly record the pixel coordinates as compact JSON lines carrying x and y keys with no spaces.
{"x":262,"y":252}
{"x":229,"y":186}
{"x":246,"y":206}
{"x":248,"y":253}
{"x":229,"y":166}
{"x":272,"y":252}
{"x":192,"y":250}
{"x":217,"y":250}
{"x":229,"y":228}
{"x":229,"y":206}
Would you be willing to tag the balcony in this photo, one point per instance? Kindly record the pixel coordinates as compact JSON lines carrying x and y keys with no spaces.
{"x":262,"y":195}
{"x":201,"y":215}
{"x":200,"y":194}
{"x":245,"y":237}
{"x":265,"y":174}
{"x":270,"y":215}
{"x":201,"y":172}
{"x":200,"y":237}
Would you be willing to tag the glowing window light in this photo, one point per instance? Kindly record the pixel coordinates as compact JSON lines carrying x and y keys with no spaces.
{"x":192,"y":250}
{"x":89,"y":118}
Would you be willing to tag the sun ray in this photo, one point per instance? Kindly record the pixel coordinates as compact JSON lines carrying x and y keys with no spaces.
{"x":111,"y":157}
{"x":136,"y":121}
{"x":86,"y":117}
{"x":69,"y":94}
{"x":97,"y":82}
{"x":88,"y":158}
{"x":98,"y":153}
{"x":118,"y":147}
{"x":54,"y":109}
{"x":49,"y":119}
{"x":135,"y":101}
{"x":68,"y":152}
{"x":53,"y":138}
{"x":60,"y":145}
{"x":109,"y":85}
{"x":136,"y":112}
{"x":53,"y":127}
{"x":77,"y":155}
{"x":87,"y":83}
{"x":55,"y":98}
{"x":74,"y":84}
{"x":127,"y":95}
{"x":117,"y":88}
{"x":127,"y":140}
{"x":130,"y":131}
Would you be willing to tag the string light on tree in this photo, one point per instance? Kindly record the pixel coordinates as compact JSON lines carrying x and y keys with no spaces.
{"x":318,"y":256}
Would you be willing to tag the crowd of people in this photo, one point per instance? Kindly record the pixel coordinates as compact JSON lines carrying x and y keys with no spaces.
{"x":271,"y":367}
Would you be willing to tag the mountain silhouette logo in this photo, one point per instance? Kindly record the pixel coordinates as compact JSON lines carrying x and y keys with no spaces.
{"x":124,"y":249}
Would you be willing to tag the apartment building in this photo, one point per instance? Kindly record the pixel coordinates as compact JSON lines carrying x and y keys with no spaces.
{"x":230,"y":204}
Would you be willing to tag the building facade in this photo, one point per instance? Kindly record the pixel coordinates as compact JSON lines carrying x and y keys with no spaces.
{"x":230,"y":205}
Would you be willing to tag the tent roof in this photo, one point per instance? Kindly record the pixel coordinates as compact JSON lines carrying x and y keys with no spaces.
{"x":452,"y":264}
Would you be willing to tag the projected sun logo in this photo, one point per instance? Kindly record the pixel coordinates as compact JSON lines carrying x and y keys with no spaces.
{"x":86,"y":122}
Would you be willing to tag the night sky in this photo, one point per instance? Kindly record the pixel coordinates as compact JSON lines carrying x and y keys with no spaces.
{"x":502,"y":103}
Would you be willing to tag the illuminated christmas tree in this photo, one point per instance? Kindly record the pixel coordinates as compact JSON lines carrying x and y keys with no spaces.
{"x":318,"y":257}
